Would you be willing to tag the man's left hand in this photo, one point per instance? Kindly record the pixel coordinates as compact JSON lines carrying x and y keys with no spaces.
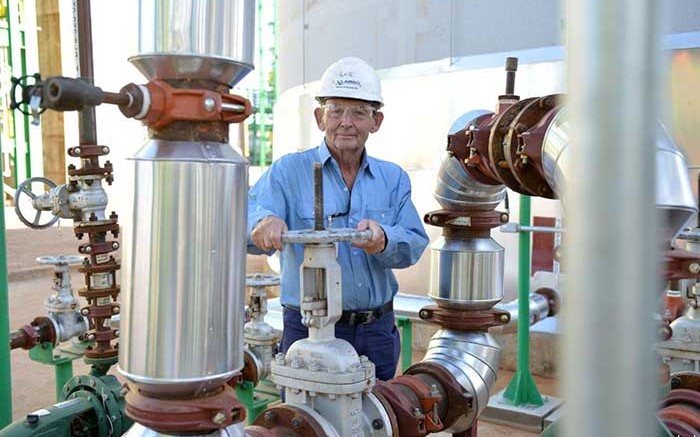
{"x":377,"y":243}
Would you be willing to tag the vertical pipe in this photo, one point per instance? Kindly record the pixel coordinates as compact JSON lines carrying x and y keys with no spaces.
{"x":522,"y":389}
{"x":524,"y":287}
{"x":318,"y":196}
{"x":613,"y":48}
{"x":63,"y":372}
{"x":86,"y":118}
{"x":5,"y":380}
{"x":511,"y":68}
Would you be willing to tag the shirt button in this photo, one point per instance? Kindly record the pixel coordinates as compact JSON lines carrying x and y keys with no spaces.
{"x":345,"y":189}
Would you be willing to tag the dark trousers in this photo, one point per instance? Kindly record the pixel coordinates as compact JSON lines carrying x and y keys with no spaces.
{"x":378,"y":340}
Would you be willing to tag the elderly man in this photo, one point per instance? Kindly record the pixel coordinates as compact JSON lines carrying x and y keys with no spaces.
{"x":359,"y":192}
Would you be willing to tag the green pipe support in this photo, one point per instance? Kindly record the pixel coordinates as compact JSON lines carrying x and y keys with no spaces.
{"x":5,"y":379}
{"x":255,"y":400}
{"x":404,"y":324}
{"x":522,"y":389}
{"x":61,"y":359}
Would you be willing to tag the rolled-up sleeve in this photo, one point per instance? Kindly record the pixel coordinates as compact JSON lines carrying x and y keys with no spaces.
{"x":406,"y":238}
{"x":265,"y":198}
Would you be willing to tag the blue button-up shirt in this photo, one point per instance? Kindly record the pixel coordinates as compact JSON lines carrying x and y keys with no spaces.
{"x":381,"y":192}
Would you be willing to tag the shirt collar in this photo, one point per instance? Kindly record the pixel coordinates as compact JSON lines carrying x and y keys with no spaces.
{"x":324,"y":155}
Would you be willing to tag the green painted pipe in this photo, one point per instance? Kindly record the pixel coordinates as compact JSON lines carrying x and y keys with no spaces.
{"x":524,"y":287}
{"x":5,"y":379}
{"x":522,"y":389}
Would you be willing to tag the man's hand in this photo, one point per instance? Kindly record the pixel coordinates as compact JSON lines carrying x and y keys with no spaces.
{"x":267,"y":234}
{"x":377,"y":243}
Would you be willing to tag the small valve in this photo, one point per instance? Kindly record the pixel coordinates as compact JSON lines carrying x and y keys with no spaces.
{"x":40,"y":202}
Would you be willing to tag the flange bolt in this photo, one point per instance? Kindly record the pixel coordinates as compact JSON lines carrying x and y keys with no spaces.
{"x":219,"y":418}
{"x":269,"y":416}
{"x":115,"y":245}
{"x":504,"y":318}
{"x":209,"y":104}
{"x":85,"y":311}
{"x":377,"y":424}
{"x":91,"y":337}
{"x":297,"y":422}
{"x":694,"y":268}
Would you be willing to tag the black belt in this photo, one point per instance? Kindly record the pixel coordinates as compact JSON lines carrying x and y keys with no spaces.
{"x":364,"y":317}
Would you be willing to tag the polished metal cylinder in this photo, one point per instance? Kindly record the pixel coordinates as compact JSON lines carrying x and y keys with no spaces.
{"x":674,"y":197}
{"x":466,"y":273}
{"x":539,"y":310}
{"x":196,"y":39}
{"x":183,"y":266}
{"x":456,"y":190}
{"x":473,"y":359}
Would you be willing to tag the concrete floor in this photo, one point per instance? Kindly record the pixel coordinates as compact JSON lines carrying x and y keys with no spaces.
{"x":33,"y":383}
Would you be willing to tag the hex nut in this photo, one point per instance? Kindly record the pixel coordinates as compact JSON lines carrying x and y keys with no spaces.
{"x":219,"y":418}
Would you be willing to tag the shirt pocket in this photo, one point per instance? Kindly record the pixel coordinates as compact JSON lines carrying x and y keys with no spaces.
{"x":385,"y":216}
{"x":305,"y":212}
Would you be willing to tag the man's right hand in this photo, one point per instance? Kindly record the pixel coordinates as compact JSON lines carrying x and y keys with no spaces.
{"x":267,"y":234}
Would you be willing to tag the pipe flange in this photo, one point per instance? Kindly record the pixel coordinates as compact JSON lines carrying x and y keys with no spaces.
{"x":410,"y":418}
{"x":459,"y":402}
{"x":324,"y":236}
{"x":464,"y":320}
{"x":688,"y":380}
{"x":523,"y":147}
{"x":261,"y":280}
{"x":198,"y":415}
{"x":497,"y":155}
{"x":475,"y":220}
{"x":251,"y":367}
{"x":298,"y":420}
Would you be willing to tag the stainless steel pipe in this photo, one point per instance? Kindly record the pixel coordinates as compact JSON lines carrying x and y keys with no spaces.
{"x":184,"y":268}
{"x":612,"y":253}
{"x":196,"y":39}
{"x":466,"y":273}
{"x":473,"y":359}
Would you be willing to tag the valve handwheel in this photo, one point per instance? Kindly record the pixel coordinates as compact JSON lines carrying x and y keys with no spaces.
{"x":25,"y":188}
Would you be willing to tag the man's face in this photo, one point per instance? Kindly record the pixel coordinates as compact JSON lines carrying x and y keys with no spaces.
{"x":347,"y":123}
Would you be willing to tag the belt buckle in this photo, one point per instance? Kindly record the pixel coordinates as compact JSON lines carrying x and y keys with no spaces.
{"x":368,"y":317}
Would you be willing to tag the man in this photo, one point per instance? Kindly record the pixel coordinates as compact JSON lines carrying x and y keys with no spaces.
{"x":359,"y":192}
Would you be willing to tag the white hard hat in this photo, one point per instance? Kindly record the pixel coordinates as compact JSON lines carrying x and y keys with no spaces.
{"x":351,"y":78}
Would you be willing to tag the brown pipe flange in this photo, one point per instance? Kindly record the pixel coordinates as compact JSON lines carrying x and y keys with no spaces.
{"x":682,"y":396}
{"x":459,"y":402}
{"x":470,"y":147}
{"x":680,"y":429}
{"x":250,"y":369}
{"x":428,"y":401}
{"x":497,"y":155}
{"x":288,"y":420}
{"x":410,"y":417}
{"x":686,"y":380}
{"x":259,"y":431}
{"x":464,"y":320}
{"x":170,"y":104}
{"x":523,"y":149}
{"x":393,"y":420}
{"x":472,"y":220}
{"x":683,"y":413}
{"x":681,"y":264}
{"x":186,"y":415}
